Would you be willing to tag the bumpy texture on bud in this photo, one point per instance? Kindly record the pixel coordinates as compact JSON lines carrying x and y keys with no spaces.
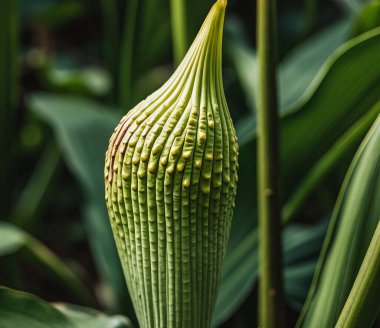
{"x":170,"y":175}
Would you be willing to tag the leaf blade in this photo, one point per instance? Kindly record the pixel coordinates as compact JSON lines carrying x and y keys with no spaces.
{"x":20,"y":309}
{"x":82,"y":128}
{"x":352,"y":225}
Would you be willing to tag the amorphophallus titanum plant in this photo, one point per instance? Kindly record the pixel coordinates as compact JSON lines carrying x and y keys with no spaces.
{"x":170,"y":176}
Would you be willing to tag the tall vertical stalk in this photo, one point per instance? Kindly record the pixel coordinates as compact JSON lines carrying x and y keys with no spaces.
{"x":126,"y":56}
{"x":179,"y":30}
{"x":271,"y":312}
{"x":111,"y":40}
{"x":8,"y":93}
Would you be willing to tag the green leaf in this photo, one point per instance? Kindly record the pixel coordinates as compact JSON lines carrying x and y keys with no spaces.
{"x":300,"y":67}
{"x":368,"y":19}
{"x":19,"y":309}
{"x":352,"y":226}
{"x":348,"y":88}
{"x":13,"y":239}
{"x":88,"y":317}
{"x":82,"y":128}
{"x":330,"y":159}
{"x":348,"y":78}
{"x":296,"y":72}
{"x":362,"y":306}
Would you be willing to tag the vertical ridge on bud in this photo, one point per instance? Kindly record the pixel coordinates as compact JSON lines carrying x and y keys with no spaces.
{"x":170,"y":181}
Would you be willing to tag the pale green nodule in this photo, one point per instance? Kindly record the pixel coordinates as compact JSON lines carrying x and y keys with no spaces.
{"x":170,"y":176}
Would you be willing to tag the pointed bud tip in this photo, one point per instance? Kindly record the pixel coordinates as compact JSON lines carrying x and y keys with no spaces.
{"x":222,"y":3}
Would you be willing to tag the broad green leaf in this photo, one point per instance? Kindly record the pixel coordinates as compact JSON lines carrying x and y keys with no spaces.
{"x":348,"y":78}
{"x":88,"y":317}
{"x":296,"y":72}
{"x":300,"y":67}
{"x":82,"y":128}
{"x":78,"y":119}
{"x":330,"y":159}
{"x":351,"y":228}
{"x":19,"y":309}
{"x":368,"y":19}
{"x":13,"y":240}
{"x":346,"y":88}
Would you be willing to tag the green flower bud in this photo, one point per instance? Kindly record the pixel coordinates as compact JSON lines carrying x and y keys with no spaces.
{"x":170,"y":179}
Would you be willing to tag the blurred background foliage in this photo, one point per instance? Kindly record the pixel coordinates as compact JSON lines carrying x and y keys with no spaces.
{"x":70,"y":69}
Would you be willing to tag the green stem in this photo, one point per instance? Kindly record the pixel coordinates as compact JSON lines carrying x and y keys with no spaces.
{"x":39,"y":253}
{"x":362,"y":303}
{"x":111,"y":39}
{"x":179,"y":30}
{"x":271,"y":313}
{"x":149,"y":13}
{"x":32,"y":197}
{"x":9,"y":21}
{"x":324,"y":165}
{"x":126,"y":56}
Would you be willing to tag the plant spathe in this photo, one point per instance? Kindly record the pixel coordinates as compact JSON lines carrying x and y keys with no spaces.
{"x":170,"y":175}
